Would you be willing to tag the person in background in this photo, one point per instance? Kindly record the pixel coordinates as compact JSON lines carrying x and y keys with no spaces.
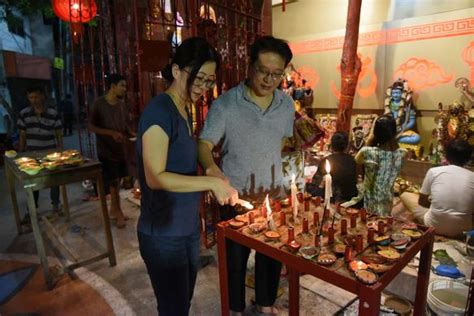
{"x":343,"y":171}
{"x":446,"y":199}
{"x":66,"y":109}
{"x":252,"y":119}
{"x":168,"y":226}
{"x":5,"y":128}
{"x":40,"y":129}
{"x":109,"y":123}
{"x":382,"y":159}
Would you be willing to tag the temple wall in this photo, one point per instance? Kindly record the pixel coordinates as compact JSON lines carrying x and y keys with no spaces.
{"x":429,"y":43}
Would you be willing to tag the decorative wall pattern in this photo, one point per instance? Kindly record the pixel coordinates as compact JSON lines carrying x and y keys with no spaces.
{"x":390,"y":36}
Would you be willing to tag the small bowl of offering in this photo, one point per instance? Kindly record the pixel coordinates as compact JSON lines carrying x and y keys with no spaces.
{"x":326,"y":259}
{"x":400,"y":243}
{"x":379,"y":267}
{"x":10,"y":153}
{"x":412,"y":233}
{"x":389,"y":254}
{"x":236,"y":224}
{"x":366,"y":276}
{"x":382,"y":240}
{"x":272,"y":235}
{"x":50,"y":165}
{"x":256,"y":227}
{"x":309,"y":252}
{"x":32,"y":170}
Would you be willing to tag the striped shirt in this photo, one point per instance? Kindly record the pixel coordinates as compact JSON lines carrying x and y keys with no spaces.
{"x":40,"y":129}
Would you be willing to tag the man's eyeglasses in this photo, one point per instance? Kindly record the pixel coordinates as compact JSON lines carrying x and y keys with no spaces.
{"x":267,"y":74}
{"x":200,"y":81}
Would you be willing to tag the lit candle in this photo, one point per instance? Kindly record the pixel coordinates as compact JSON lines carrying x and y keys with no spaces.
{"x":271,"y":223}
{"x":327,"y":185}
{"x":294,"y":199}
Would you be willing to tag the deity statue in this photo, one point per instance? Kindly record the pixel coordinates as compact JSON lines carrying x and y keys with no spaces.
{"x":399,"y":103}
{"x":467,"y":99}
{"x":361,"y":130}
{"x":453,"y":124}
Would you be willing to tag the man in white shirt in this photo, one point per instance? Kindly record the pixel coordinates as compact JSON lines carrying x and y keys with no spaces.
{"x":446,"y":198}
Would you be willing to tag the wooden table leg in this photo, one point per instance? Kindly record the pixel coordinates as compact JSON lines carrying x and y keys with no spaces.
{"x":38,"y":237}
{"x":294,"y":291}
{"x":424,"y":271}
{"x":106,"y":221}
{"x":65,"y":202}
{"x":222,"y":260}
{"x":11,"y":188}
{"x":369,"y":302}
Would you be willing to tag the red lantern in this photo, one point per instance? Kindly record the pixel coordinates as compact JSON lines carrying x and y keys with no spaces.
{"x":75,"y":11}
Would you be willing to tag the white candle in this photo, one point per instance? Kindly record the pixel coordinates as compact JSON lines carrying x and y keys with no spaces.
{"x":327,"y":185}
{"x":294,"y":198}
{"x":271,"y":223}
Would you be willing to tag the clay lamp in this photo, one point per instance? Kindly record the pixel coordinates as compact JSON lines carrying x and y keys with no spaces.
{"x":366,"y":276}
{"x":272,"y":235}
{"x":236,"y":224}
{"x":292,"y":243}
{"x":355,"y":265}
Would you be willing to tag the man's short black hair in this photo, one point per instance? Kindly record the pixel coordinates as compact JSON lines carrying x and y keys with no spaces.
{"x":270,"y":44}
{"x":32,"y":89}
{"x":114,"y":79}
{"x":458,"y":152}
{"x":339,"y":141}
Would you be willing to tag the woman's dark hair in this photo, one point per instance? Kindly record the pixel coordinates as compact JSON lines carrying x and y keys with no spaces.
{"x":270,"y":44}
{"x":458,"y":152}
{"x":385,"y":130}
{"x":192,"y":53}
{"x":339,"y":141}
{"x":36,"y":89}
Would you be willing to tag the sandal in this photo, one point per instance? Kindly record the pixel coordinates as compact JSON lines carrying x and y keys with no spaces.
{"x":266,"y":310}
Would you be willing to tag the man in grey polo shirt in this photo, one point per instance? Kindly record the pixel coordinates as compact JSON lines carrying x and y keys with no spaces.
{"x":252,"y":120}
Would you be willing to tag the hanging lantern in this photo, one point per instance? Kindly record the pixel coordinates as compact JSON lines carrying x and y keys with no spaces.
{"x":75,"y":11}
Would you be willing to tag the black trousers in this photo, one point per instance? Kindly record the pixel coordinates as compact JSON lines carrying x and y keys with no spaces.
{"x":53,"y":194}
{"x":267,"y":272}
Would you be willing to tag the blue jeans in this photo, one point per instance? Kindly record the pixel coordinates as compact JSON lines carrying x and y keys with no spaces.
{"x":172,"y":264}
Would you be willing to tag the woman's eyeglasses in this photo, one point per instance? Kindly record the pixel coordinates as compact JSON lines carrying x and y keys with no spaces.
{"x":200,"y":81}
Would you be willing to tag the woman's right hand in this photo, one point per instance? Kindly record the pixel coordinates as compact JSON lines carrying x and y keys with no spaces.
{"x":223,"y":192}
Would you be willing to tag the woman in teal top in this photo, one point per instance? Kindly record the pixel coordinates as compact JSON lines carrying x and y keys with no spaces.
{"x":382,"y":159}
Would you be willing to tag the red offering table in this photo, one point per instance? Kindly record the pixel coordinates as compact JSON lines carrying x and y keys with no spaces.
{"x":337,"y":274}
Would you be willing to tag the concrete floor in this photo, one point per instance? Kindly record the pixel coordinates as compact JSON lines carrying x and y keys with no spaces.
{"x":129,"y":278}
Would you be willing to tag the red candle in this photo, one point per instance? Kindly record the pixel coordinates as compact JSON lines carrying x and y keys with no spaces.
{"x":277,"y":206}
{"x":325,"y":214}
{"x":317,"y":201}
{"x":290,"y":202}
{"x":343,"y":227}
{"x":305,"y":225}
{"x":306,"y":205}
{"x":353,"y":221}
{"x":300,"y":197}
{"x":316,"y":240}
{"x":348,"y":254}
{"x":359,"y":243}
{"x":263,"y":210}
{"x":390,"y":220}
{"x":251,"y":217}
{"x":363,"y":215}
{"x":282,"y":218}
{"x":330,"y":235}
{"x":380,"y":228}
{"x":316,"y":219}
{"x":370,"y":236}
{"x":291,"y":234}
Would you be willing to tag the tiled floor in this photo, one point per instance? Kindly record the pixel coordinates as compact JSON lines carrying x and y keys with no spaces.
{"x":125,"y":287}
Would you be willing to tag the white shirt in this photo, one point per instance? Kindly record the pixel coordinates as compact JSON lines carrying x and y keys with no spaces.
{"x":452,"y":199}
{"x":3,"y":126}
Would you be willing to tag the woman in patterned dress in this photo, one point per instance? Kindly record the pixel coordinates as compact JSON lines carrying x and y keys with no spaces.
{"x":382,"y":159}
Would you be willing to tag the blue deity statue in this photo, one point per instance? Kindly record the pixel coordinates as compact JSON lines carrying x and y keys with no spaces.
{"x":398,"y":103}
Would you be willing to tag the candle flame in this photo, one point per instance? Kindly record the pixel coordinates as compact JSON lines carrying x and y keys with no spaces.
{"x":267,"y":205}
{"x":328,"y":166}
